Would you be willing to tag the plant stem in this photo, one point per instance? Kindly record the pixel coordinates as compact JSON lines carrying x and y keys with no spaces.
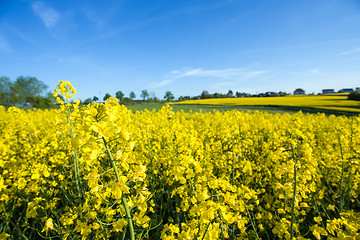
{"x":233,"y":161}
{"x":207,"y":229}
{"x":123,"y":197}
{"x":294,"y":196}
{"x":75,"y":156}
{"x":342,"y":178}
{"x":251,"y":220}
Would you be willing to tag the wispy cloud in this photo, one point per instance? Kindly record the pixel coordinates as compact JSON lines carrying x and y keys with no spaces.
{"x":48,"y":15}
{"x":253,"y":74}
{"x":4,"y":45}
{"x":160,"y":84}
{"x":351,"y":52}
{"x":219,"y":73}
{"x":11,"y":29}
{"x":232,"y":75}
{"x":315,"y":71}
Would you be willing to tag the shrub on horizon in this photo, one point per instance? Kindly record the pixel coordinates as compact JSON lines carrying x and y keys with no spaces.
{"x":354,"y":96}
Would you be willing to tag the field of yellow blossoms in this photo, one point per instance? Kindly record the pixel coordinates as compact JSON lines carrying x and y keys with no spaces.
{"x":103,"y":172}
{"x":336,"y":102}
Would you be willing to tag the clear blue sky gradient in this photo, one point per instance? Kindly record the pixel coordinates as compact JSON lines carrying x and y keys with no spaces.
{"x":185,"y":46}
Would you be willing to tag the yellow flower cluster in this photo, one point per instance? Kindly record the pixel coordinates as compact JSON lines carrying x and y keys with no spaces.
{"x":64,"y":89}
{"x":329,"y":102}
{"x":103,"y":172}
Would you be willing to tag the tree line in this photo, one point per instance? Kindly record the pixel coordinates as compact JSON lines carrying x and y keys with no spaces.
{"x":169,"y":96}
{"x":31,"y":92}
{"x":205,"y":95}
{"x":145,"y":96}
{"x":25,"y":91}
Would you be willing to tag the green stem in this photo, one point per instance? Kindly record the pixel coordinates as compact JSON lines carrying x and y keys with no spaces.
{"x":75,"y":156}
{"x":111,"y":159}
{"x":251,"y":220}
{"x":123,"y":197}
{"x":233,"y":162}
{"x":123,"y":234}
{"x":342,"y":178}
{"x":207,"y":229}
{"x":14,"y":224}
{"x":128,"y":216}
{"x":294,"y":196}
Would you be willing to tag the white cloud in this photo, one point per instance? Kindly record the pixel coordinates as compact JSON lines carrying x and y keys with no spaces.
{"x":351,"y":52}
{"x":48,"y":15}
{"x":223,"y":77}
{"x":15,"y":31}
{"x":222,"y":73}
{"x":219,"y":73}
{"x":160,"y":84}
{"x":315,"y":71}
{"x":4,"y":45}
{"x":253,"y":74}
{"x":175,"y":72}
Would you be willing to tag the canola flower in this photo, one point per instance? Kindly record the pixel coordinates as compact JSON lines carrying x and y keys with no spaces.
{"x":330,"y":102}
{"x":102,"y":172}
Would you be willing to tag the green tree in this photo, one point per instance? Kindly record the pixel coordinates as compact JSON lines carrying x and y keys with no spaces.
{"x":26,"y":88}
{"x":5,"y":90}
{"x":217,"y":95}
{"x":205,"y":94}
{"x":183,"y":98}
{"x":354,"y":96}
{"x":127,"y":101}
{"x":144,"y":94}
{"x":281,"y":94}
{"x":95,"y":98}
{"x":25,"y":91}
{"x":88,"y":100}
{"x":132,"y":95}
{"x":119,"y":95}
{"x":168,"y":96}
{"x":106,"y":96}
{"x":42,"y":102}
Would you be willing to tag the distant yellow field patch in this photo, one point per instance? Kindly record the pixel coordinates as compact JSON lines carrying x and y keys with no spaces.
{"x":330,"y":102}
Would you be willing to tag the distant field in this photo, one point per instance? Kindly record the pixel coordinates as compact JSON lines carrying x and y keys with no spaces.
{"x":222,"y":108}
{"x":328,"y":103}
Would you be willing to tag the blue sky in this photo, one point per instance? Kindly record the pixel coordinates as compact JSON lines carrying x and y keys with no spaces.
{"x":183,"y":46}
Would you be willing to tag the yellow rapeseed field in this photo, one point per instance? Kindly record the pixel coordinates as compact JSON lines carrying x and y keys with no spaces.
{"x":330,"y":102}
{"x":103,"y":172}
